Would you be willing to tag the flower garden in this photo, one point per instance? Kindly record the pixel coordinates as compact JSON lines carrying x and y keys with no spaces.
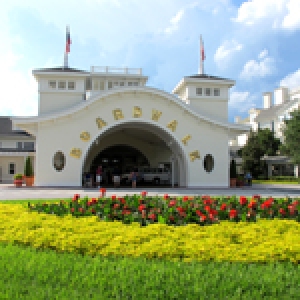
{"x":187,"y":235}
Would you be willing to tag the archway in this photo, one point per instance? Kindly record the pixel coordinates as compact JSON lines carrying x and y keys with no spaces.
{"x":152,"y":144}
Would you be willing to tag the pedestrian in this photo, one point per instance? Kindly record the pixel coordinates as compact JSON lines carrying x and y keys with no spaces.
{"x":116,"y":177}
{"x":99,"y":176}
{"x":248,"y":178}
{"x":134,"y":177}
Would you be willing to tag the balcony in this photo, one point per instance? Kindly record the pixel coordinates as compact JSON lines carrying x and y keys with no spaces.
{"x":116,"y":71}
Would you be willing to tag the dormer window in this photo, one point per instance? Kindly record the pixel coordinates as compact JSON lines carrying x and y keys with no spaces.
{"x":207,"y":92}
{"x":71,"y":85}
{"x":61,"y":85}
{"x":52,"y":84}
{"x":217,"y":92}
{"x":199,"y":91}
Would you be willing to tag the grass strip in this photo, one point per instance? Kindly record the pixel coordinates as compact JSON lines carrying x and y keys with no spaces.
{"x":27,"y":273}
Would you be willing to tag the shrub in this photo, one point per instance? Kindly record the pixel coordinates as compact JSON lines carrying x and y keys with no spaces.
{"x":18,"y":176}
{"x":28,"y":170}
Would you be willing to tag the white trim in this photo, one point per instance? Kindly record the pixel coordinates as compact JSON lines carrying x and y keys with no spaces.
{"x":17,"y":154}
{"x":25,"y":120}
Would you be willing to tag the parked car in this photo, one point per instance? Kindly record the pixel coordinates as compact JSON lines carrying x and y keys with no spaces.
{"x":149,"y":175}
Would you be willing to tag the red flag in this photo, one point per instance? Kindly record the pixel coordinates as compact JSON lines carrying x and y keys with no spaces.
{"x":202,"y":52}
{"x":68,"y":40}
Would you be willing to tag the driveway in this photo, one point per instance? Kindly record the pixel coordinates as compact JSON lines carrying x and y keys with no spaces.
{"x":9,"y":192}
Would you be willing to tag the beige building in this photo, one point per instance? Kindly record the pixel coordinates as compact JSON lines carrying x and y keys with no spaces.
{"x":109,"y":117}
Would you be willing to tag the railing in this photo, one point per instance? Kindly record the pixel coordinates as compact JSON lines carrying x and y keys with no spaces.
{"x":113,"y":70}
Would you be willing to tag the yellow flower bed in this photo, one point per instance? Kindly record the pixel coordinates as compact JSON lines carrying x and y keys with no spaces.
{"x":264,"y":241}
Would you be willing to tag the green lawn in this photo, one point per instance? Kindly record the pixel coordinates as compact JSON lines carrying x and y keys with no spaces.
{"x":27,"y":273}
{"x":30,"y":274}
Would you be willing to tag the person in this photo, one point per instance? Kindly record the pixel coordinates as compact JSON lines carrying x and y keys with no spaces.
{"x":134,"y":177}
{"x":98,"y":176}
{"x":116,"y":177}
{"x":248,"y":178}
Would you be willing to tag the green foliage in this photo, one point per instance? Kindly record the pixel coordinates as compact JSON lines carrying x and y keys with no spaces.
{"x":28,"y":170}
{"x":30,"y":274}
{"x":260,"y":143}
{"x":233,"y":171}
{"x":18,"y":176}
{"x":291,"y":133}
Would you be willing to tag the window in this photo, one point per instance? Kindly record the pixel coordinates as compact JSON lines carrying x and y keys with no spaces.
{"x":59,"y":161}
{"x":199,"y":91}
{"x":52,"y":84}
{"x":101,"y":85}
{"x":129,"y":83}
{"x":19,"y":145}
{"x":71,"y":85}
{"x":208,"y":163}
{"x":12,"y":168}
{"x":207,"y":92}
{"x":216,"y":92}
{"x":109,"y":85}
{"x":122,"y":83}
{"x":62,"y":85}
{"x":96,"y":85}
{"x":135,"y":83}
{"x":116,"y":84}
{"x":29,"y":145}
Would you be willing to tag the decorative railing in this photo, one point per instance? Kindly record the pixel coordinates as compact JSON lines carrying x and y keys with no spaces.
{"x":114,"y":70}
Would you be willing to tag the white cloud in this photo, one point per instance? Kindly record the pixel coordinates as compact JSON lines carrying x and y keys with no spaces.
{"x":292,"y":80}
{"x":292,"y":19}
{"x":263,"y":54}
{"x":261,"y":68}
{"x":279,"y":13}
{"x":242,"y":101}
{"x":225,"y":51}
{"x":174,"y":22}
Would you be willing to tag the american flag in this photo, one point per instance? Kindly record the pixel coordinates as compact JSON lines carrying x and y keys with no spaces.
{"x":68,"y":40}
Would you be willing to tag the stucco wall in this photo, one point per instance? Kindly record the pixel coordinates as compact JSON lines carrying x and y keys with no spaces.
{"x":64,"y":134}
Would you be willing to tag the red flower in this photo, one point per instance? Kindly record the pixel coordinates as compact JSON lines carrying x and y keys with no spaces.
{"x":207,"y":201}
{"x":116,"y":205}
{"x":223,"y":206}
{"x":76,"y":197}
{"x":166,"y":196}
{"x":233,"y":213}
{"x":199,"y":213}
{"x":172,"y":203}
{"x":89,"y":203}
{"x":144,"y":193}
{"x":126,"y":212}
{"x":202,"y":218}
{"x":207,"y":208}
{"x":94,"y":200}
{"x":81,"y":209}
{"x":102,"y":190}
{"x":72,"y":209}
{"x":185,"y":198}
{"x":113,"y":197}
{"x":214,"y":212}
{"x":282,"y":211}
{"x":252,"y":204}
{"x":152,"y":216}
{"x":256,"y":197}
{"x":122,"y":200}
{"x":142,"y":207}
{"x":171,"y":218}
{"x":180,"y":209}
{"x":243,"y":200}
{"x":93,"y":210}
{"x":292,"y":209}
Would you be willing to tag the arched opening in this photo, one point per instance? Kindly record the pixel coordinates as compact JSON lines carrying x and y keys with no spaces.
{"x":151,"y":149}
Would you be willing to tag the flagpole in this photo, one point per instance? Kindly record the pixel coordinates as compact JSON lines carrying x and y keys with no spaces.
{"x":201,"y":65}
{"x":66,"y":60}
{"x":67,"y":47}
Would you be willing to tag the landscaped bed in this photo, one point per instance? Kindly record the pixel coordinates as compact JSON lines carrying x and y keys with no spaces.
{"x":204,"y":247}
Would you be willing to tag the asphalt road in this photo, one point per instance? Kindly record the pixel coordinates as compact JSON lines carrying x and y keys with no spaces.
{"x":9,"y":192}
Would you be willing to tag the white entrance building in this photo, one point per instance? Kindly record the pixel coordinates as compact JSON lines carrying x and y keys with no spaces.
{"x":109,"y":116}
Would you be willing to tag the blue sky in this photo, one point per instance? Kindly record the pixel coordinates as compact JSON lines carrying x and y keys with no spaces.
{"x":256,"y":43}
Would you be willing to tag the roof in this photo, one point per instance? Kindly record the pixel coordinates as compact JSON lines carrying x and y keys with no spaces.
{"x":60,"y":69}
{"x":6,"y":128}
{"x":269,"y":113}
{"x":205,"y":76}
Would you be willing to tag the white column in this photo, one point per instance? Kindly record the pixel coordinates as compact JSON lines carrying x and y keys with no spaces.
{"x":296,"y":171}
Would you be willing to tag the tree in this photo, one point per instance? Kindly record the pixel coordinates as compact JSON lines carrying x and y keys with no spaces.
{"x":28,"y":171}
{"x":260,"y":143}
{"x":291,"y":134}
